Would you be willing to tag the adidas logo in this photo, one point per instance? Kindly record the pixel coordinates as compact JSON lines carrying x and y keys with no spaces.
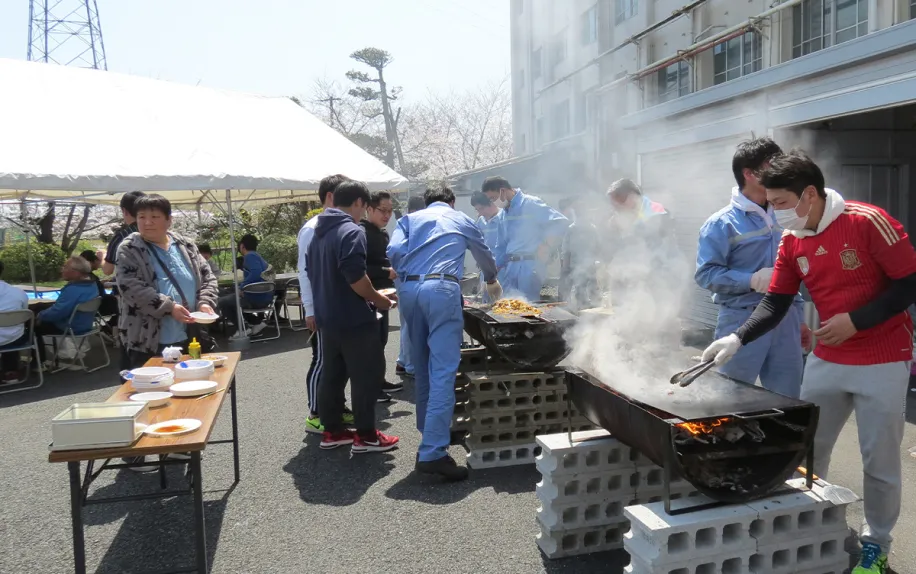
{"x":821,"y":251}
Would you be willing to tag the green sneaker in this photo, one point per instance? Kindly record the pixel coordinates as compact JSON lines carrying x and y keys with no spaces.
{"x":348,"y":418}
{"x":871,"y":561}
{"x":313,"y":425}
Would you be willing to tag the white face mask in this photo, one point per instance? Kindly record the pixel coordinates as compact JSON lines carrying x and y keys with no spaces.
{"x":790,"y":219}
{"x":500,"y":202}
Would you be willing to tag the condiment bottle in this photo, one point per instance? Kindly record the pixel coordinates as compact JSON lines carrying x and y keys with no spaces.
{"x":194,"y":349}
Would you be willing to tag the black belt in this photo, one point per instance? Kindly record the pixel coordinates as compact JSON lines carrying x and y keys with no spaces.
{"x":522,"y":257}
{"x":439,"y":276}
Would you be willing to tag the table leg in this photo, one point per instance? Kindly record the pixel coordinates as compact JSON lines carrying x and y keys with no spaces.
{"x":76,"y":511}
{"x":235,"y":429}
{"x":199,"y":526}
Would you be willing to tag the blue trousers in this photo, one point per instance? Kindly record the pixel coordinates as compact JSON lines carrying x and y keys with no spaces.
{"x":776,"y":357}
{"x":432,"y":310}
{"x":524,"y":278}
{"x":404,"y":351}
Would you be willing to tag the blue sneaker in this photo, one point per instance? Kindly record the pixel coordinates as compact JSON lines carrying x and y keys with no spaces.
{"x":871,"y":561}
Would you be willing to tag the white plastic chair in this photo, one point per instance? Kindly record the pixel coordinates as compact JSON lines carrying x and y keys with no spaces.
{"x":27,"y":318}
{"x":91,"y":306}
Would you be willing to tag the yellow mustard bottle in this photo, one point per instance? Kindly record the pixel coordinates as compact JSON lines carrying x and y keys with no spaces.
{"x":194,"y":349}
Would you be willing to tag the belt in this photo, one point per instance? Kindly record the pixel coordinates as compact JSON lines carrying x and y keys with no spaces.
{"x":522,"y":257}
{"x":437,"y":276}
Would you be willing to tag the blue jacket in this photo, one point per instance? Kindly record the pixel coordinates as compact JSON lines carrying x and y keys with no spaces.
{"x":336,"y":258}
{"x":526,"y":223}
{"x":253,"y":265}
{"x":71,"y":295}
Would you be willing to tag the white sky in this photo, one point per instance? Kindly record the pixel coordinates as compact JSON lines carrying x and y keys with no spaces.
{"x":278,"y":47}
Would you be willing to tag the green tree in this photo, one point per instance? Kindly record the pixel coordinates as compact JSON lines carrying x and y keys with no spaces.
{"x":378,"y":60}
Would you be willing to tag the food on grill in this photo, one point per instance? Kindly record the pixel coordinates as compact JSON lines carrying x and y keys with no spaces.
{"x":515,"y":306}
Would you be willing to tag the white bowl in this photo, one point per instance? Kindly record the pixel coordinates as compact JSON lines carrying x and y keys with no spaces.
{"x":204,"y":318}
{"x":193,"y":369}
{"x":193,"y":388}
{"x":162,"y":384}
{"x":156,"y":399}
{"x":150,"y":374}
{"x":218,"y":360}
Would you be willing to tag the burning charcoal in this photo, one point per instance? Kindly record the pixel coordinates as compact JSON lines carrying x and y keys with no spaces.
{"x":753,"y":430}
{"x":734,"y":434}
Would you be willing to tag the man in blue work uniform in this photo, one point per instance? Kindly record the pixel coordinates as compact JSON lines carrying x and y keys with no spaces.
{"x":489,"y":223}
{"x":531,"y":230}
{"x":735,"y":258}
{"x":427,"y":252}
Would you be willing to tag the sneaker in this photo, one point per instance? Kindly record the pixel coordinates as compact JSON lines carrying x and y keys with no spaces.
{"x":256,"y":329}
{"x":380,"y":443}
{"x":400,"y":371}
{"x":139,"y":459}
{"x":348,"y":418}
{"x":446,"y":467}
{"x":240,"y":333}
{"x":871,"y":560}
{"x":313,"y":425}
{"x":392,"y":387}
{"x":384,"y":397}
{"x":334,"y":440}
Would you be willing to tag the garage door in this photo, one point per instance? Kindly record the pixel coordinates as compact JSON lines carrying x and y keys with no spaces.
{"x":693,"y":182}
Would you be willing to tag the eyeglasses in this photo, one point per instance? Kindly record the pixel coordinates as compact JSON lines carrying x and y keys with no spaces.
{"x":385,"y":211}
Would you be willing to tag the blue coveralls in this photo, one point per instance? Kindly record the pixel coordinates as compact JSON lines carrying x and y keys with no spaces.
{"x":527,"y":223}
{"x":491,"y":236}
{"x":734,"y":243}
{"x":433,"y":242}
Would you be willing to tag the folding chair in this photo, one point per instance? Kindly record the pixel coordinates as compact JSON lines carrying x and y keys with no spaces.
{"x":266,"y":312}
{"x":27,"y":318}
{"x":91,"y":306}
{"x":294,"y":299}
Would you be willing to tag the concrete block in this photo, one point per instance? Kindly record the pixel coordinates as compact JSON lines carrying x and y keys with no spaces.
{"x":840,"y":567}
{"x":733,"y":563}
{"x":481,"y":360}
{"x":499,"y":456}
{"x":559,"y":544}
{"x":499,"y":438}
{"x":500,"y":385}
{"x":574,"y":514}
{"x":796,"y":516}
{"x":590,"y":451}
{"x":543,"y":419}
{"x":605,"y":484}
{"x":792,"y":556}
{"x":517,"y":402}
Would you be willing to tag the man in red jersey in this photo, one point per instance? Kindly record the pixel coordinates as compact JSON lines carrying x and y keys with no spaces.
{"x":860,"y":268}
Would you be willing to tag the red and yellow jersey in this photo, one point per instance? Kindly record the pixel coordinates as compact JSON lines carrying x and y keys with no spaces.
{"x":848,"y":264}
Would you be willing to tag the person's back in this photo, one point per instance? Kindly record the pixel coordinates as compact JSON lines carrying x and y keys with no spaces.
{"x":73,"y":294}
{"x":437,"y":241}
{"x":11,"y":299}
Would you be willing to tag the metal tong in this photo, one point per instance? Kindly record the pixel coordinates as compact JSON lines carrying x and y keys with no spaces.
{"x":684,"y":378}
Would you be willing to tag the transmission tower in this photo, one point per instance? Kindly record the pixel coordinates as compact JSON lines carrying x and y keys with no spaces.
{"x":66,"y":32}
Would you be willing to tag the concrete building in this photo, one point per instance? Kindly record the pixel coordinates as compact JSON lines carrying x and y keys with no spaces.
{"x":663,"y":90}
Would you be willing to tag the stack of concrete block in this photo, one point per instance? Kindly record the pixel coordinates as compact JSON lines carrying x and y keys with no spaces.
{"x":796,"y":533}
{"x":585,"y":487}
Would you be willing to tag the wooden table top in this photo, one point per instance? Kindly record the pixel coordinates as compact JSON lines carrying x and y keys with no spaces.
{"x":204,"y":409}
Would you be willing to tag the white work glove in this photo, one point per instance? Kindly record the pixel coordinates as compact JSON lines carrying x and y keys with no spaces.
{"x":760,"y":281}
{"x":722,"y":350}
{"x":494,"y":291}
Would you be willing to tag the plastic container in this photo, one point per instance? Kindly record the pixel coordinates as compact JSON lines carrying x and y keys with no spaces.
{"x":194,"y":349}
{"x":99,"y":425}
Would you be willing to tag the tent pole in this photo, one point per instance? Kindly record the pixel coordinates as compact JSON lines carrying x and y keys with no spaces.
{"x":28,"y":249}
{"x":242,"y":341}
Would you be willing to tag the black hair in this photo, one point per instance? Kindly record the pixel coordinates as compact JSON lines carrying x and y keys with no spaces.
{"x":205,"y":248}
{"x":752,"y":155}
{"x":441,"y":193}
{"x":89,"y":255}
{"x":249,"y":242}
{"x":377,"y":197}
{"x":622,"y":189}
{"x":479,"y":198}
{"x":129,"y":202}
{"x":415,"y":203}
{"x":329,"y":185}
{"x":794,"y":172}
{"x":349,"y":191}
{"x":153,"y":201}
{"x":495,"y":183}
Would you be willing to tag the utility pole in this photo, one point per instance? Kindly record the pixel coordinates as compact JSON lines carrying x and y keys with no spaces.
{"x":66,"y":32}
{"x":332,"y":115}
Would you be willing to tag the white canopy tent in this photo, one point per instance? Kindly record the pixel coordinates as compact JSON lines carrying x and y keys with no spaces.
{"x":89,"y":136}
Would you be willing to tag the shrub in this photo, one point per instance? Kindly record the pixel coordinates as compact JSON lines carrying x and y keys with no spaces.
{"x":312,"y":213}
{"x":48,"y":261}
{"x":83,"y":245}
{"x":281,"y":251}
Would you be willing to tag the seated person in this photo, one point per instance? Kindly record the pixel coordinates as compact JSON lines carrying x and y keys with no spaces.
{"x":253,"y":267}
{"x":11,"y":299}
{"x":207,"y":254}
{"x":79,"y":289}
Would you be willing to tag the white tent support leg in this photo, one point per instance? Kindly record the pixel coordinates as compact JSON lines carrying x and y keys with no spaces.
{"x":242,"y":341}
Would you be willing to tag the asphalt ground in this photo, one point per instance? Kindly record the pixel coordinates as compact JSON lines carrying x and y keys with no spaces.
{"x":298,"y":509}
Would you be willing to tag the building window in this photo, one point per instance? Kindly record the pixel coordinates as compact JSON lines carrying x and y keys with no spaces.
{"x":737,"y":57}
{"x":559,"y":123}
{"x":522,"y":144}
{"x":625,"y":9}
{"x":581,"y":112}
{"x":536,"y":64}
{"x":520,"y":80}
{"x":819,"y":24}
{"x":590,"y":25}
{"x":912,"y":9}
{"x":673,"y":82}
{"x":539,"y":131}
{"x":558,"y":48}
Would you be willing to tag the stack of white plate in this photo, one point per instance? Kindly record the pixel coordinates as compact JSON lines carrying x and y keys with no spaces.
{"x":194,"y":369}
{"x":151,"y":379}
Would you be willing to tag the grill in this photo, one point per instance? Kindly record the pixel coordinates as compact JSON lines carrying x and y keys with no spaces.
{"x":734,"y":442}
{"x":526,"y":341}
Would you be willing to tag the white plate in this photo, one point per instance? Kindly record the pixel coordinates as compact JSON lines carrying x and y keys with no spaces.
{"x":148,"y":374}
{"x":190,"y":425}
{"x":388,"y":291}
{"x":204,"y":318}
{"x":162,"y":384}
{"x":156,"y":399}
{"x":218,"y":360}
{"x":193,"y":388}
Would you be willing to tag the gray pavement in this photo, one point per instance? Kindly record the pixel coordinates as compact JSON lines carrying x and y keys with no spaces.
{"x":297,"y":508}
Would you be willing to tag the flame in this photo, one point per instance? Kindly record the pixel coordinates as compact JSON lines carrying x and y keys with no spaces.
{"x":704,"y":427}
